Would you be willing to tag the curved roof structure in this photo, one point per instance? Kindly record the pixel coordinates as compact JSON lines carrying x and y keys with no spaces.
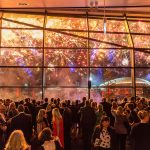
{"x":125,"y":80}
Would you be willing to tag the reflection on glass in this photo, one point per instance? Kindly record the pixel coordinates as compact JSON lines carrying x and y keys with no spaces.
{"x":139,"y":26}
{"x":98,"y":93}
{"x":20,"y":57}
{"x":66,"y":77}
{"x":100,"y":40}
{"x":112,"y":25}
{"x":141,"y":41}
{"x":66,"y":23}
{"x":110,"y":58}
{"x":142,"y":58}
{"x":17,"y":94}
{"x":66,"y":93}
{"x":110,"y":77}
{"x":66,"y":39}
{"x":22,"y":38}
{"x":65,"y":57}
{"x":20,"y":77}
{"x":142,"y":76}
{"x":25,"y":19}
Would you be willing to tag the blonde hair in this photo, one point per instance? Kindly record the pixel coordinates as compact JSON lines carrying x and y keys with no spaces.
{"x":12,"y":106}
{"x":56,"y":114}
{"x":16,"y":141}
{"x":142,"y":114}
{"x":119,"y":110}
{"x":40,"y":115}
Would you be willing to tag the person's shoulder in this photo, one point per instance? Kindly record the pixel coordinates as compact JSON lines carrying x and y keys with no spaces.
{"x":111,"y":129}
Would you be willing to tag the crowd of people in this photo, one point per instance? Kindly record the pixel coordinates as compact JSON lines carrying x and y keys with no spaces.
{"x":52,"y":124}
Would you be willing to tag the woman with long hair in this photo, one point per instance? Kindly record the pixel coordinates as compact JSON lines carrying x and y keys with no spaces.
{"x":17,"y":141}
{"x":3,"y":128}
{"x":121,"y":126}
{"x":41,"y":120}
{"x":104,"y":136}
{"x":58,"y":129}
{"x":47,"y":141}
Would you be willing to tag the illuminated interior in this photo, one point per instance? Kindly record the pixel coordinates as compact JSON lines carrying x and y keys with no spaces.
{"x":57,"y":56}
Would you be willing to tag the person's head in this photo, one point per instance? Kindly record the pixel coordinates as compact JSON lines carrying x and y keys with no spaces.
{"x":45,"y":135}
{"x":56,"y":114}
{"x":114,"y":105}
{"x":41,"y":115}
{"x":130,"y":106}
{"x":46,"y":100}
{"x":26,"y":100}
{"x":49,"y":107}
{"x":94,"y":105}
{"x":16,"y":141}
{"x":139,"y":105}
{"x":12,"y":106}
{"x":105,"y":122}
{"x":83,"y":99}
{"x":104,"y":99}
{"x":125,"y":99}
{"x":119,"y":110}
{"x":144,"y":116}
{"x":132,"y":99}
{"x":100,"y":107}
{"x":63,"y":104}
{"x":21,"y":108}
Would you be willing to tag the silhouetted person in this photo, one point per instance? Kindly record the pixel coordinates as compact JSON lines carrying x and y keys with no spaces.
{"x":22,"y":122}
{"x":87,"y":122}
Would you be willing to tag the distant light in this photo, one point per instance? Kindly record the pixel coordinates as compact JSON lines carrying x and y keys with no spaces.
{"x":91,"y":78}
{"x":26,"y":84}
{"x":105,"y":26}
{"x":125,"y":62}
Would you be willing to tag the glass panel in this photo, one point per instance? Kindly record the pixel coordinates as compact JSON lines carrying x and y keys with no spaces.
{"x":111,"y":25}
{"x":143,"y":92}
{"x":141,"y":41}
{"x":66,"y":23}
{"x":98,"y":93}
{"x":142,"y":58}
{"x":66,"y":93}
{"x":142,"y":76}
{"x":17,"y":94}
{"x":66,"y":39}
{"x":66,"y":77}
{"x":26,"y":19}
{"x":139,"y":26}
{"x":110,"y":57}
{"x":20,"y":57}
{"x":22,"y":38}
{"x":110,"y":77}
{"x":20,"y":77}
{"x":65,"y":57}
{"x":101,"y":40}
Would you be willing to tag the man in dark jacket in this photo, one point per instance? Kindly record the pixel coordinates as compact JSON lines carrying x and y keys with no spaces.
{"x":22,"y":122}
{"x":87,"y":122}
{"x":140,"y":132}
{"x":67,"y":119}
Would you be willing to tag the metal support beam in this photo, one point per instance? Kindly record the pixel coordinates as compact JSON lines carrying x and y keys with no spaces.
{"x":43,"y":56}
{"x":88,"y":58}
{"x":132,"y":57}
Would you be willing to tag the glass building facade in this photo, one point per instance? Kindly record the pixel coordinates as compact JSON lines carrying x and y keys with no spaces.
{"x":70,"y":56}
